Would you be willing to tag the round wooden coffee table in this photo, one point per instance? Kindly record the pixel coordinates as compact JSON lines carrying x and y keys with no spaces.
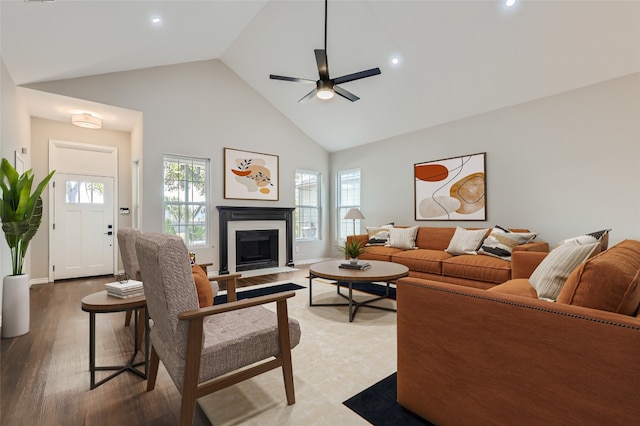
{"x":379,"y":271}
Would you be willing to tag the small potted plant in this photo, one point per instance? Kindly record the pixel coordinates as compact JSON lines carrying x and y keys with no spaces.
{"x":352,"y":249}
{"x":21,"y":215}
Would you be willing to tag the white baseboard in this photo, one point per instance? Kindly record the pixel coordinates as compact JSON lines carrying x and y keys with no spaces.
{"x":35,"y":281}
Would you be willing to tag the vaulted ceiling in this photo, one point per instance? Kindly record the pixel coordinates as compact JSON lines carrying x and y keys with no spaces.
{"x":455,"y":58}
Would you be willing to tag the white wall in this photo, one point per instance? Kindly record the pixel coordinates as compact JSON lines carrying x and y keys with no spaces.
{"x":14,"y":135}
{"x":561,"y":166}
{"x":197,"y":109}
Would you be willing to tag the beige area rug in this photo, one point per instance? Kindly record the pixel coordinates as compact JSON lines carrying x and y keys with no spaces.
{"x":335,"y":360}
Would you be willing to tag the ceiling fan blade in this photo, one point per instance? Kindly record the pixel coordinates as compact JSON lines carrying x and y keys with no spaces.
{"x":294,"y":79}
{"x":345,"y":93}
{"x":323,"y":64}
{"x":308,"y":96}
{"x":357,"y":75}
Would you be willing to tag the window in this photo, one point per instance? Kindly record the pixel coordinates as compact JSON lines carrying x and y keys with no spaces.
{"x":307,"y":215}
{"x":84,"y":192}
{"x":186,"y":193}
{"x":348,"y":197}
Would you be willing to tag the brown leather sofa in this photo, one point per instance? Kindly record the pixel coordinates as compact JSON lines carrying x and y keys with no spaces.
{"x":503,"y":356}
{"x":431,"y":261}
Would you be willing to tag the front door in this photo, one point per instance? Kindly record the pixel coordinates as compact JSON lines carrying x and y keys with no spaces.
{"x":83,"y":228}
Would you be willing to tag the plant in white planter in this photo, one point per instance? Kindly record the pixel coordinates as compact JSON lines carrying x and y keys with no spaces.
{"x":21,"y":215}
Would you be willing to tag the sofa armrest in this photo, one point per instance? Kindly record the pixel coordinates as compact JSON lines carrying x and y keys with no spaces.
{"x":363,"y":238}
{"x":467,"y":356}
{"x":523,"y":263}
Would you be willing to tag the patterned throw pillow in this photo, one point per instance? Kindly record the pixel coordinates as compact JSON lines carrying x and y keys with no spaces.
{"x":378,"y":235}
{"x":501,"y":241}
{"x":466,"y":241}
{"x":601,"y":237}
{"x":551,"y":274}
{"x":403,"y":238}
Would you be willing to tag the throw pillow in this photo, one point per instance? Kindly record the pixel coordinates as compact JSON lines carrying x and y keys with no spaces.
{"x":466,"y":241}
{"x":549,"y":277}
{"x":378,"y":235}
{"x":601,"y":237}
{"x":403,"y":238}
{"x":203,"y":286}
{"x":501,"y":241}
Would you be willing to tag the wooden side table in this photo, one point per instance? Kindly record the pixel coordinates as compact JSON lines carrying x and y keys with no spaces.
{"x":101,"y":303}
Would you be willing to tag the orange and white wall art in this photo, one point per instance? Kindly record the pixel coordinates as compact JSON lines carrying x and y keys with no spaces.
{"x":451,"y":189}
{"x":250,"y":175}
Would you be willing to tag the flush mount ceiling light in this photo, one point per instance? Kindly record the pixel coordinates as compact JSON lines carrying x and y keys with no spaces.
{"x":86,"y":120}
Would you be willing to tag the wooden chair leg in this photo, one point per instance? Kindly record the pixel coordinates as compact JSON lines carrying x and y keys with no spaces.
{"x":285,"y":351}
{"x":154,"y":363}
{"x":127,"y":319}
{"x":191,"y":372}
{"x":141,"y":326}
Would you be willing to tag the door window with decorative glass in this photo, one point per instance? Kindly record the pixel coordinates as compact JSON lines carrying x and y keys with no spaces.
{"x":186,"y":195}
{"x":307,"y":197}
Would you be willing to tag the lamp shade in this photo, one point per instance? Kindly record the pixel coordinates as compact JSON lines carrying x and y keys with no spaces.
{"x":86,"y":120}
{"x":354,"y":214}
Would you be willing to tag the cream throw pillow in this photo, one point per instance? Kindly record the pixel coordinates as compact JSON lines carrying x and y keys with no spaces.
{"x":466,"y":241}
{"x":553,"y":271}
{"x":403,"y":238}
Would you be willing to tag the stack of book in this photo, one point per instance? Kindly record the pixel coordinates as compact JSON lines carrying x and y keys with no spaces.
{"x":125,"y":289}
{"x":357,"y":266}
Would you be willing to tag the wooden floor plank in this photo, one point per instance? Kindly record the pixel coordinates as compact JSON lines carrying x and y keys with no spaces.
{"x":45,"y":373}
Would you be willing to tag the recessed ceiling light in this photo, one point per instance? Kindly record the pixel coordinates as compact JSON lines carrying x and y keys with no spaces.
{"x":395,"y":61}
{"x":510,"y":3}
{"x":156,"y":20}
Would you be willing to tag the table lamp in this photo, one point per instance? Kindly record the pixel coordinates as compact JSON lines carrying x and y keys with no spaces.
{"x":354,"y":214}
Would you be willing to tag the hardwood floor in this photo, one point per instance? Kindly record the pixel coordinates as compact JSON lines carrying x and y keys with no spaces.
{"x":45,"y":373}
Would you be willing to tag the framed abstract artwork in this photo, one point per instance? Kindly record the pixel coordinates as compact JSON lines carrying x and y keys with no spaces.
{"x":250,"y":175}
{"x":451,"y":189}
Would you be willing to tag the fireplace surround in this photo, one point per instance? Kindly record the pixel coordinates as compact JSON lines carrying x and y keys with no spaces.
{"x":228,"y":214}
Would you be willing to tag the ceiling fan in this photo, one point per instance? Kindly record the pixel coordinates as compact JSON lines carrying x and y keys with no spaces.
{"x":326,"y":86}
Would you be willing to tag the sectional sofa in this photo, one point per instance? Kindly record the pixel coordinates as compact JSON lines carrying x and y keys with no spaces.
{"x":430,"y":260}
{"x":505,"y":356}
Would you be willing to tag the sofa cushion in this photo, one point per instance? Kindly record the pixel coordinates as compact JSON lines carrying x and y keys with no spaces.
{"x":422,"y":260}
{"x":379,"y":253}
{"x":607,"y":281}
{"x":553,"y":271}
{"x":434,"y":238}
{"x":403,"y":238}
{"x":480,"y":268}
{"x":466,"y":241}
{"x":517,"y":286}
{"x":501,"y":241}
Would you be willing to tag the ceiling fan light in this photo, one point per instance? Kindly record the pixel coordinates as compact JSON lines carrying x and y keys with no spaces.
{"x":325,"y":93}
{"x":86,"y":120}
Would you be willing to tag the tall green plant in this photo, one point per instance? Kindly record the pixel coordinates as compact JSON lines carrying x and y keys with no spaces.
{"x":20,"y":211}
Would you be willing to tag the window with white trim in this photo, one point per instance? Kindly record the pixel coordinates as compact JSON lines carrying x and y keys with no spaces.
{"x":186,"y":195}
{"x":307,"y":197}
{"x":348,"y":191}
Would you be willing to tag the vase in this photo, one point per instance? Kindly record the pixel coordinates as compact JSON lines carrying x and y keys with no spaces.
{"x":15,"y":305}
{"x":354,"y":260}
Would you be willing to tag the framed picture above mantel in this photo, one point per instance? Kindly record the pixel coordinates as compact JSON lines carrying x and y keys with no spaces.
{"x":250,"y":175}
{"x":451,"y":188}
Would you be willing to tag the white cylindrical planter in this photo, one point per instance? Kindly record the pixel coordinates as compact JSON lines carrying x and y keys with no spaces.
{"x":15,"y":305}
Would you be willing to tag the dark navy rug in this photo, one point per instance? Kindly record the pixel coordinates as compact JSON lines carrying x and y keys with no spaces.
{"x":377,"y":289}
{"x":378,"y":405}
{"x":256,"y":292}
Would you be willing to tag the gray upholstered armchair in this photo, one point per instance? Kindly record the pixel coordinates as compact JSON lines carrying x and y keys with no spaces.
{"x":198,"y":346}
{"x":127,"y":245}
